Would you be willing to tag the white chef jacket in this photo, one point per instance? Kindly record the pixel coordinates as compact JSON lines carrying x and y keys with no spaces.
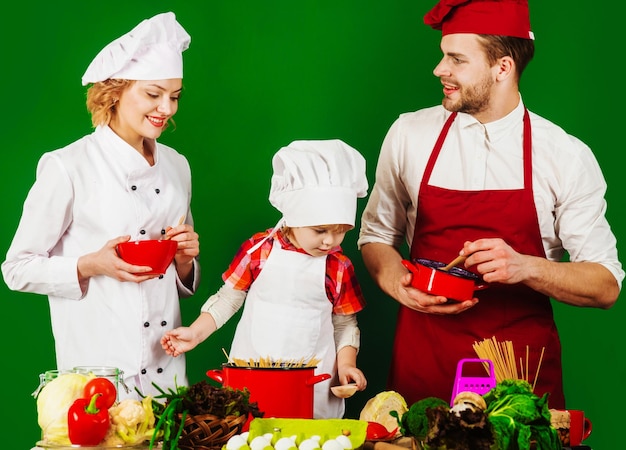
{"x":85,"y":194}
{"x":568,"y":185}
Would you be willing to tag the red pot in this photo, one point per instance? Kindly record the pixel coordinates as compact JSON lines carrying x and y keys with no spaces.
{"x":456,"y":284}
{"x":279,"y":392}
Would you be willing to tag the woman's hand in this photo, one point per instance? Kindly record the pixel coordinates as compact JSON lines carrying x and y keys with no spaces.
{"x":188,"y":250}
{"x":107,"y":262}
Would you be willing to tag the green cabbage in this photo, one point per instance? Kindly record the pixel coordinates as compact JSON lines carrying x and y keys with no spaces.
{"x":53,"y":402}
{"x":519,"y":417}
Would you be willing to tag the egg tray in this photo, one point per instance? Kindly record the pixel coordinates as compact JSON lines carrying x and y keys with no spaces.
{"x":355,"y":430}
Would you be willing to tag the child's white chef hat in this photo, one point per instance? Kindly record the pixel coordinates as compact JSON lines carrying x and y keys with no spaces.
{"x":318,"y":183}
{"x":150,"y":51}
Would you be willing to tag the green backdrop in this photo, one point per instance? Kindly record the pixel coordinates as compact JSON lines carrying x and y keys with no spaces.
{"x":259,"y":75}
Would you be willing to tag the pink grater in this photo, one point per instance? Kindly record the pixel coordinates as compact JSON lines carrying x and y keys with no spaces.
{"x":480,"y":385}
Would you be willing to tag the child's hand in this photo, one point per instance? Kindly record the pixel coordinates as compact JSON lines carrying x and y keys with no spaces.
{"x":178,"y":341}
{"x":351,"y":374}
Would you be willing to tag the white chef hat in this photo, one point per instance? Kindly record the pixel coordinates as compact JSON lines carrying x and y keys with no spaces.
{"x":150,"y":51}
{"x":317,"y":183}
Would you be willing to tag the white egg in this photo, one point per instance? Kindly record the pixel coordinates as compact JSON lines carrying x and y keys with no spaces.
{"x":268,"y":436}
{"x":344,"y":441}
{"x":259,"y":443}
{"x":308,"y":444}
{"x":235,"y":442}
{"x":285,"y":443}
{"x":245,"y":435}
{"x":317,"y":438}
{"x":332,"y":444}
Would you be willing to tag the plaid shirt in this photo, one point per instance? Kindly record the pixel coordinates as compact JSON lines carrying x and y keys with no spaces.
{"x":342,"y":287}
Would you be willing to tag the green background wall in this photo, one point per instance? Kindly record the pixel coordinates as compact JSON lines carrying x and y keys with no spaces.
{"x":259,"y":75}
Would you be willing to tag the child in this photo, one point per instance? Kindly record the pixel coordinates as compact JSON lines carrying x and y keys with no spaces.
{"x":301,"y":292}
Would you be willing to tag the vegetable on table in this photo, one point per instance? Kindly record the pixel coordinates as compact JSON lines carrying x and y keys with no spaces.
{"x":519,"y":417}
{"x":414,"y":422}
{"x":103,"y":386}
{"x":132,"y":422}
{"x":86,"y":423}
{"x":198,"y":399}
{"x":459,"y":429}
{"x":53,"y":402}
{"x":378,"y":432}
{"x":385,"y":408}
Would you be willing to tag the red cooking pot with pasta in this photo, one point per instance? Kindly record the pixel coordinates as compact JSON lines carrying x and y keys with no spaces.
{"x":455,"y":284}
{"x":282,"y":392}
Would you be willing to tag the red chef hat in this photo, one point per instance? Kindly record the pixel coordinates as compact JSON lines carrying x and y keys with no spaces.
{"x":500,"y":17}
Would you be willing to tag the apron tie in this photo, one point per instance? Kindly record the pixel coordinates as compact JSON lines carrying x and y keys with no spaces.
{"x":278,"y":226}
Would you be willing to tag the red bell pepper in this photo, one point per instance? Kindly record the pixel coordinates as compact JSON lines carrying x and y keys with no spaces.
{"x":378,"y":432}
{"x":86,"y":424}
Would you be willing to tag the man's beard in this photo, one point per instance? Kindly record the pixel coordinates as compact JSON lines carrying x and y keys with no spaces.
{"x":473,"y":99}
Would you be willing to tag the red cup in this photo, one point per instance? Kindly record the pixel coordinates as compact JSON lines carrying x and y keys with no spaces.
{"x":579,"y":427}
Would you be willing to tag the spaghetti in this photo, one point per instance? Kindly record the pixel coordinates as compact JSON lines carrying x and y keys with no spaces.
{"x":271,"y":363}
{"x":502,"y":355}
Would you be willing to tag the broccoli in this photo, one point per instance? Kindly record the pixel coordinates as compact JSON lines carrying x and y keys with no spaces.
{"x":415,"y":422}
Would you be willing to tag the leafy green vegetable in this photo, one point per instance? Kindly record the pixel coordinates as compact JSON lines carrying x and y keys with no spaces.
{"x":414,"y":422}
{"x":198,"y":399}
{"x":167,"y":417}
{"x":519,"y":417}
{"x":466,"y":429}
{"x":203,"y":398}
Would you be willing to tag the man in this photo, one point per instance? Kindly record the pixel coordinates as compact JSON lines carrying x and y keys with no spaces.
{"x":483,"y":177}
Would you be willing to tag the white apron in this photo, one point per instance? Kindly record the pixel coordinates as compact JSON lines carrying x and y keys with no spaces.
{"x":287,"y":315}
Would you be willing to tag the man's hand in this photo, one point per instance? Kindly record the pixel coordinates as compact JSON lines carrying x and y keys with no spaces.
{"x":426,"y":303}
{"x":496,"y":261}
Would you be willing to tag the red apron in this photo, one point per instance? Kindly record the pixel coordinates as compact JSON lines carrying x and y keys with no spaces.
{"x":427,"y":347}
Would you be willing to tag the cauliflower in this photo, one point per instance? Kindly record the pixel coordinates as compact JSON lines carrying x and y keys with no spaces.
{"x":132,"y":422}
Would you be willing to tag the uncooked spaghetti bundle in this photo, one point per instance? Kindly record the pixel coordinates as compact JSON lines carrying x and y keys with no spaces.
{"x":502,"y":355}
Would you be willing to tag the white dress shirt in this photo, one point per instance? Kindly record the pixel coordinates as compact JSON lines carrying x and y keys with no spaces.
{"x":568,"y":184}
{"x":85,"y":194}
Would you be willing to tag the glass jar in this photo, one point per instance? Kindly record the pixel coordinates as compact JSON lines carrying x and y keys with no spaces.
{"x":48,"y":376}
{"x":113,"y":374}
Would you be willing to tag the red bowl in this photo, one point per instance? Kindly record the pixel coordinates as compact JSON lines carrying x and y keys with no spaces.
{"x":157,"y":254}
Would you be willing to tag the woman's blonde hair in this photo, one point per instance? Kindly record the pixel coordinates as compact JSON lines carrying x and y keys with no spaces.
{"x":102,"y":98}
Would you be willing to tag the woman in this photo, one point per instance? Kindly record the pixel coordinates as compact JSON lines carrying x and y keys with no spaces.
{"x":108,"y":187}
